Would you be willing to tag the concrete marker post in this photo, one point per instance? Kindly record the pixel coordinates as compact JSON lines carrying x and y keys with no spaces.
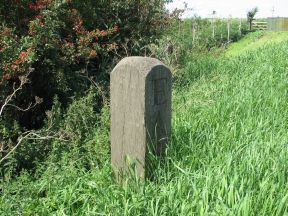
{"x":141,"y":92}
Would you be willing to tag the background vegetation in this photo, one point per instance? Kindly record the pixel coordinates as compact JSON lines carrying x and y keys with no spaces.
{"x":56,"y":52}
{"x":227,"y":154}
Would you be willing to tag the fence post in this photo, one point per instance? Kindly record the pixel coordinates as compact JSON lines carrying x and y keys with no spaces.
{"x":228,"y":29}
{"x":240,"y":27}
{"x":194,"y":26}
{"x":140,"y":113}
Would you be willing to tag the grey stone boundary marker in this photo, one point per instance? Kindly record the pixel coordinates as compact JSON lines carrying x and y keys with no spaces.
{"x":140,"y":112}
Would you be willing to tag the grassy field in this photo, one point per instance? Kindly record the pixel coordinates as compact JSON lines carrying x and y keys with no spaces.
{"x":227,"y":156}
{"x":256,"y":40}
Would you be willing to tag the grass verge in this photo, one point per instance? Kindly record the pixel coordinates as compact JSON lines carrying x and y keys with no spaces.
{"x":228,"y":153}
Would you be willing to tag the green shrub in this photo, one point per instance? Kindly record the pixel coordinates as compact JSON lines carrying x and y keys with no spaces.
{"x":65,"y":47}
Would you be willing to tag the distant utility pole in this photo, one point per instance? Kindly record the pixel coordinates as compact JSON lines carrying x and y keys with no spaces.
{"x":273,"y":11}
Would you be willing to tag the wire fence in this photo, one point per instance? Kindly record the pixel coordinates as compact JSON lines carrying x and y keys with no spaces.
{"x":278,"y":23}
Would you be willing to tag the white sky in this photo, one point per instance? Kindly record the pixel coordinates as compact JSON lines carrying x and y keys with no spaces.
{"x":235,"y":8}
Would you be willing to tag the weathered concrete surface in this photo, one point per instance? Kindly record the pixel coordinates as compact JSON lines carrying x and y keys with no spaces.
{"x":140,"y":111}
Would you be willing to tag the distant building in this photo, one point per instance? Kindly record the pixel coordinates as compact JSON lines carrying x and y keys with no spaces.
{"x":277,"y":23}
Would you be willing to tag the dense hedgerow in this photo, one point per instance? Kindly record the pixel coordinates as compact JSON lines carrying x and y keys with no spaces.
{"x":66,"y":42}
{"x":64,"y":47}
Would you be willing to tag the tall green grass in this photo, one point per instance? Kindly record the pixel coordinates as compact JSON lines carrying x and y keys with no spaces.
{"x":256,"y":40}
{"x":227,"y":156}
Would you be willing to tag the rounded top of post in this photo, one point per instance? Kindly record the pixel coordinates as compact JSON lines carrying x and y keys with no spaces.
{"x":141,"y":64}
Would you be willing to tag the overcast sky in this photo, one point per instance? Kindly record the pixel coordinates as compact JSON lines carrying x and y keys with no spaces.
{"x":235,"y":8}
